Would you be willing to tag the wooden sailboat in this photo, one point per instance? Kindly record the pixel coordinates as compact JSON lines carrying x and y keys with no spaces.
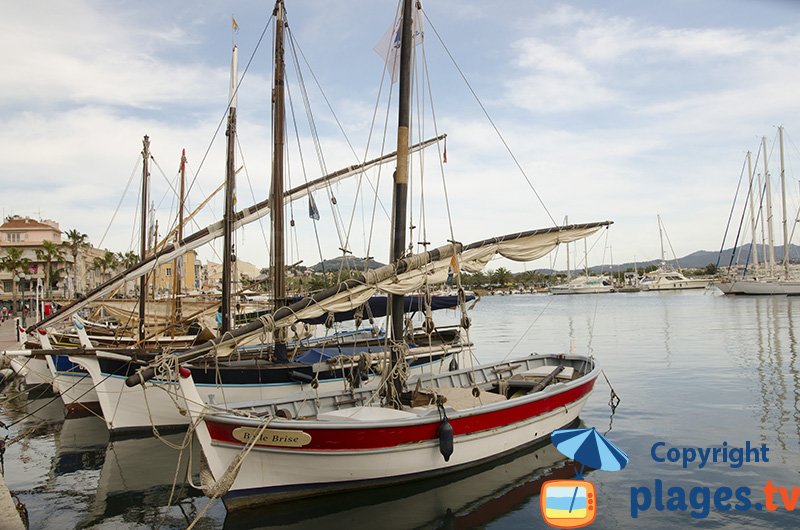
{"x":266,"y":451}
{"x":348,"y":361}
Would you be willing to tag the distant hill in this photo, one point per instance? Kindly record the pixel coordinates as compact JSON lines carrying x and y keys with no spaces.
{"x":350,"y":262}
{"x":701,"y":258}
{"x":696,"y":260}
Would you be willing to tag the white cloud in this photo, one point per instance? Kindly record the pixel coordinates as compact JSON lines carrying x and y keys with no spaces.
{"x":612,"y":115}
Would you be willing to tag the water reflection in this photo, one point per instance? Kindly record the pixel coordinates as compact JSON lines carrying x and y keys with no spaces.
{"x":465,"y":500}
{"x":776,"y":370}
{"x":130,"y":476}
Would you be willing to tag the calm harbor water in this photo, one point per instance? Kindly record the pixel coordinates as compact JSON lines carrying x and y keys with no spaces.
{"x":693,"y":369}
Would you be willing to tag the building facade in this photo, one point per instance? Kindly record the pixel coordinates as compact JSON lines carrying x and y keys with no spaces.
{"x":28,"y":235}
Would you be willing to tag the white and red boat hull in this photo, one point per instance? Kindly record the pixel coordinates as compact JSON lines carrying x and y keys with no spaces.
{"x":401,"y":446}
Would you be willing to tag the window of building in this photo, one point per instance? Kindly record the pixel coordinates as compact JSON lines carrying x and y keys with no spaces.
{"x":14,"y":237}
{"x":169,"y":271}
{"x":7,"y":286}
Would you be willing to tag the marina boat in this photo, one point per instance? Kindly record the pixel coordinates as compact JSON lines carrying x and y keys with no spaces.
{"x":340,"y":441}
{"x":93,"y":379}
{"x":665,"y":278}
{"x":584,"y":285}
{"x":411,"y":426}
{"x":223,"y":381}
{"x":763,"y":276}
{"x":759,"y":286}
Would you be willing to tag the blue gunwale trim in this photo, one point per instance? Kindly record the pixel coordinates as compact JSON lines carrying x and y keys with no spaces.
{"x":251,"y":385}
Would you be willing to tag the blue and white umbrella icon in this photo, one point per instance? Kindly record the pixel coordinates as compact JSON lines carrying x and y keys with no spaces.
{"x":590,"y":448}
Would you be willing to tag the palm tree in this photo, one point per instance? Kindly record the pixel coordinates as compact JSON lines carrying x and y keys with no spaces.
{"x":105,"y":263}
{"x":76,"y":241}
{"x":49,"y":253}
{"x":17,"y":265}
{"x":502,"y":276}
{"x":128,"y":259}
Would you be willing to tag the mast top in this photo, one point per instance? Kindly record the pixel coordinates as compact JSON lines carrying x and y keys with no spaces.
{"x":234,"y":69}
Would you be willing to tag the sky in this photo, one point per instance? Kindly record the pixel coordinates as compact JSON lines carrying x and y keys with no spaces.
{"x":616,"y":110}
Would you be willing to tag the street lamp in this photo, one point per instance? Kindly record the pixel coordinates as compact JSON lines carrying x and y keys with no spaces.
{"x":39,"y":298}
{"x":24,"y":277}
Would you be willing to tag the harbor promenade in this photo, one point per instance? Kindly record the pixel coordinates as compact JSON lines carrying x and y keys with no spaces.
{"x":9,"y":518}
{"x":8,"y":336}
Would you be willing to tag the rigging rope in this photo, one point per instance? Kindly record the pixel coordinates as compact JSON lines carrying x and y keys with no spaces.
{"x":235,"y":92}
{"x":119,"y":204}
{"x":488,"y":117}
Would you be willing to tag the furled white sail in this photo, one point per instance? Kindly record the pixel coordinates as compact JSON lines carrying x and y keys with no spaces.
{"x":406,"y":276}
{"x":214,"y":231}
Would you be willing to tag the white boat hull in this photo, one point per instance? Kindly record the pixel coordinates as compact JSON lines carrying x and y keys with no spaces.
{"x":33,"y":369}
{"x":343,"y":451}
{"x":340,"y":471}
{"x":675,"y":286}
{"x":584,"y":285}
{"x":757,"y":287}
{"x":594,"y":289}
{"x":76,"y":389}
{"x":159,"y":403}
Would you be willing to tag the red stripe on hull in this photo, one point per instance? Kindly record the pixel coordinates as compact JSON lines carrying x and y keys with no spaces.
{"x":360,"y":437}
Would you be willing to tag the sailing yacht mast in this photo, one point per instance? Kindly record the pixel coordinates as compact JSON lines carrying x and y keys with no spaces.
{"x":400,"y":194}
{"x":230,"y":183}
{"x":278,"y":260}
{"x":752,"y":208}
{"x":661,"y":238}
{"x":143,"y":239}
{"x":784,"y":213}
{"x":585,"y":258}
{"x":569,"y":271}
{"x":769,"y":211}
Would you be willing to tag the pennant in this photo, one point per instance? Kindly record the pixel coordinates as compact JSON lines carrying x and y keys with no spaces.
{"x":313,"y":212}
{"x":452,"y":270}
{"x":389,"y":45}
{"x":444,"y":154}
{"x":234,"y":24}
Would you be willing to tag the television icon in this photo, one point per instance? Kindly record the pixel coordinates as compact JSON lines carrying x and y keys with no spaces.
{"x":568,"y":503}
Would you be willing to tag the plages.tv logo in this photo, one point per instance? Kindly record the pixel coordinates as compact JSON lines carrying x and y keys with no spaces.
{"x":573,"y":503}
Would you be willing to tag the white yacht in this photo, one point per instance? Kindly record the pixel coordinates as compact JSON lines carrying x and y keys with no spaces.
{"x":584,"y":285}
{"x":666,"y":279}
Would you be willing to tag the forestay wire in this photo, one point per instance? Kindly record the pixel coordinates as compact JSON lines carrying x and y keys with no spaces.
{"x":488,"y":117}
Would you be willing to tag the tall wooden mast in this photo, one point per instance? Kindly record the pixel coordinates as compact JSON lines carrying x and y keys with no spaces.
{"x":228,"y":256}
{"x":278,"y":260}
{"x":143,"y":239}
{"x":400,"y":193}
{"x":176,"y":269}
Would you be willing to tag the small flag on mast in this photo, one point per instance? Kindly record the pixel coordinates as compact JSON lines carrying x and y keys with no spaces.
{"x":444,"y":154}
{"x":389,"y":45}
{"x":234,"y":24}
{"x":313,"y":212}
